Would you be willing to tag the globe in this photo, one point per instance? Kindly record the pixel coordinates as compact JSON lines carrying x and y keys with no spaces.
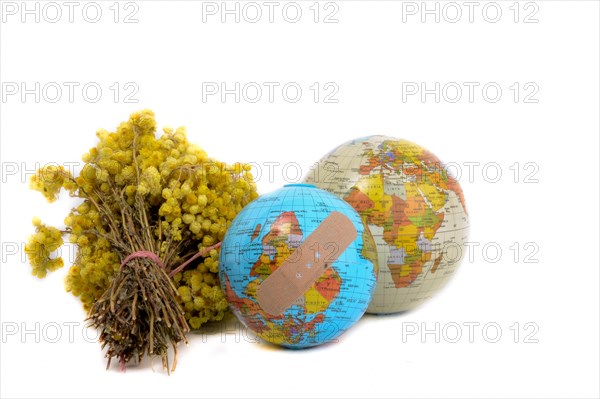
{"x":414,"y":209}
{"x":298,"y":266}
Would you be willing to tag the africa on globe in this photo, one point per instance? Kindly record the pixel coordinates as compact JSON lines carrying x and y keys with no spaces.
{"x":414,"y":209}
{"x":298,"y":266}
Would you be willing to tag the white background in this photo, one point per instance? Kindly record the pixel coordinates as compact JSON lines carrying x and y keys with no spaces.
{"x":368,"y":54}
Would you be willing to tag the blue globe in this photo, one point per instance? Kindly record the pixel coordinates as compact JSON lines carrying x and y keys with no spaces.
{"x":298,"y":266}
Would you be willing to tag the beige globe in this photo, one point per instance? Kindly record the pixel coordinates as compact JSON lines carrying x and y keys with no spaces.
{"x":414,"y":209}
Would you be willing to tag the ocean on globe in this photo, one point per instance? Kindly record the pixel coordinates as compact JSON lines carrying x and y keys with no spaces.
{"x":414,"y":209}
{"x":298,"y":266}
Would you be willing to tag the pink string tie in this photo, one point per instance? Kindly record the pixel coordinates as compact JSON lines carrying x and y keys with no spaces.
{"x":153,"y":257}
{"x":143,"y":254}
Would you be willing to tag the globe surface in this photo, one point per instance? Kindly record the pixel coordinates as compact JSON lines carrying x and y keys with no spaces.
{"x":414,"y":209}
{"x":266,"y":233}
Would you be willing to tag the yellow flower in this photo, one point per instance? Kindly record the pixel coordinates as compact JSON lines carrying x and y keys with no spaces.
{"x":190,"y":198}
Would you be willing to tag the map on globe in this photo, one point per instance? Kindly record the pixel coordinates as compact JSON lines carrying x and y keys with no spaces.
{"x":415,"y":211}
{"x":264,"y":235}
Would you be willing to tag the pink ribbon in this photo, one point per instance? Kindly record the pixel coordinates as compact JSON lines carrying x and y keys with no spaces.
{"x":153,"y":257}
{"x":196,"y":256}
{"x":143,"y":254}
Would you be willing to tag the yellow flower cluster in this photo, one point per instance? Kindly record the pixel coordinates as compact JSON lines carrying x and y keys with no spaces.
{"x":40,"y":246}
{"x":50,"y":179}
{"x":189,"y":198}
{"x":202,"y":297}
